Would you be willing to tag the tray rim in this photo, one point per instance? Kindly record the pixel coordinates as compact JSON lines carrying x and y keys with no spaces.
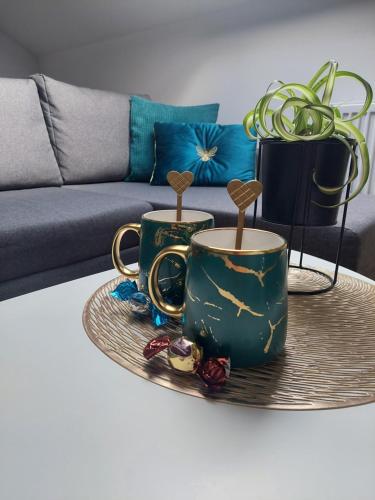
{"x":208,"y":397}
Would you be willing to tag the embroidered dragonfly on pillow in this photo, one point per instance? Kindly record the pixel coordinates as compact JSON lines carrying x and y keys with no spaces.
{"x":206,"y":154}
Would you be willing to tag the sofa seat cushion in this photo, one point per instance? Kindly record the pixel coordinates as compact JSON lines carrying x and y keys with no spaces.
{"x":213,"y":199}
{"x":26,"y":155}
{"x":359,"y":235}
{"x":47,"y":228}
{"x":89,"y":130}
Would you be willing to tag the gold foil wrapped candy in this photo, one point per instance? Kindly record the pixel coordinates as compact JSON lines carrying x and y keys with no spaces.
{"x":184,"y":355}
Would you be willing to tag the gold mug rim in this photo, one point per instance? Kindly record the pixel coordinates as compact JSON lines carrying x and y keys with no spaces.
{"x":233,"y":251}
{"x":180,"y":222}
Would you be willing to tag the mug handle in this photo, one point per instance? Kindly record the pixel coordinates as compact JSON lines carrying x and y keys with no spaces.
{"x":153,"y":281}
{"x":116,"y":256}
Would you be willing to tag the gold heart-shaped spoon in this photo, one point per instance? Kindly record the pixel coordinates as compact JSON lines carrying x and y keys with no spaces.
{"x":179,"y":181}
{"x":243,"y":195}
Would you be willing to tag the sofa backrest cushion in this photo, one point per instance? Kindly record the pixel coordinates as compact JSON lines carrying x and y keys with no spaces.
{"x":26,"y":155}
{"x":89,"y":130}
{"x":144,"y":115}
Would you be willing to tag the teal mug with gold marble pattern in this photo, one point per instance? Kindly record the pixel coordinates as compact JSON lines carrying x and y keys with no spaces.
{"x":157,"y":230}
{"x":235,"y":301}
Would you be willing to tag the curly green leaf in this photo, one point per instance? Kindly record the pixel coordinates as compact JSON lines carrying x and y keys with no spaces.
{"x":312,"y":118}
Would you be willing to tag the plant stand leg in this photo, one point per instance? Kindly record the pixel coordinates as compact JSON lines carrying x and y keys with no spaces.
{"x":295,"y":213}
{"x":331,"y":280}
{"x":257,"y":174}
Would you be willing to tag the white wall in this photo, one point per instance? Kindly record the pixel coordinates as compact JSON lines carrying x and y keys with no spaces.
{"x":225,"y":58}
{"x":15,"y":61}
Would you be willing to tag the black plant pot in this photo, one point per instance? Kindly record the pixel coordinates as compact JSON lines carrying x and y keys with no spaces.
{"x":289,"y":192}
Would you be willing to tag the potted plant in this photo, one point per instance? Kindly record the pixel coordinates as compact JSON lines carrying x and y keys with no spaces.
{"x":306,"y":145}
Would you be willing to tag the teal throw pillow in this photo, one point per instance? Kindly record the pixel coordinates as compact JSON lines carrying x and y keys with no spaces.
{"x":143,"y":115}
{"x":214,"y":153}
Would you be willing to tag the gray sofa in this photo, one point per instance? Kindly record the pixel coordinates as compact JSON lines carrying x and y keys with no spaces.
{"x":64,"y":153}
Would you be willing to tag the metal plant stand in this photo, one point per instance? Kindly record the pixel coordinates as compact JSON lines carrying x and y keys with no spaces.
{"x":332,"y":280}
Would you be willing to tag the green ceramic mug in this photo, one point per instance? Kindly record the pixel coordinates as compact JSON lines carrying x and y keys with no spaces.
{"x":236,"y":301}
{"x":157,"y":230}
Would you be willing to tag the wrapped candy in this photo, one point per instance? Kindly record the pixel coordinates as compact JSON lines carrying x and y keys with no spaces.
{"x":124,"y":290}
{"x":139,"y":302}
{"x":215,"y":372}
{"x":183,"y":354}
{"x":156,"y":345}
{"x":158,"y":318}
{"x":186,"y":356}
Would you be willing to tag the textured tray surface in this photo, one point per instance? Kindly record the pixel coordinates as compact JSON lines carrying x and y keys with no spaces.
{"x":328,"y":362}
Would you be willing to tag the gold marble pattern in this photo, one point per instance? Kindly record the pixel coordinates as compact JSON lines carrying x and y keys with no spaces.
{"x":213,"y":317}
{"x":175,"y":232}
{"x":162,"y":233}
{"x":232,"y":298}
{"x":210,"y":304}
{"x":272,"y":331}
{"x":205,"y":330}
{"x":246,"y":270}
{"x":192,"y":297}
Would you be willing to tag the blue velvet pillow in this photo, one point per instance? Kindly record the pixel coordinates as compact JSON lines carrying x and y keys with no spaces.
{"x":143,"y":115}
{"x":214,"y":153}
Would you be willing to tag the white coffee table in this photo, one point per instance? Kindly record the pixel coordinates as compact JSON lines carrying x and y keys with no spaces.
{"x":76,"y":426}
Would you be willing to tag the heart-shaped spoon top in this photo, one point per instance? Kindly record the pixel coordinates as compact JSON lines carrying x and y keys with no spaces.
{"x":179,"y":181}
{"x":243,"y":195}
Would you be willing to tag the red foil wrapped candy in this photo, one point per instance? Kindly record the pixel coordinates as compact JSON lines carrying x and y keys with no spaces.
{"x":215,"y":372}
{"x":156,"y":345}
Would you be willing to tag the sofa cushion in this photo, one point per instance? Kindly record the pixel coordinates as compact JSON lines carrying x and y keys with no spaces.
{"x":215,"y":153}
{"x":44,"y":279}
{"x":89,"y":130}
{"x":47,"y":228}
{"x":214,"y":200}
{"x":26,"y":158}
{"x":359,"y":233}
{"x":143,"y":115}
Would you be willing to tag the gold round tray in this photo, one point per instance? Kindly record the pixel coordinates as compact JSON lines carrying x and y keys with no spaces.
{"x":328,"y":361}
